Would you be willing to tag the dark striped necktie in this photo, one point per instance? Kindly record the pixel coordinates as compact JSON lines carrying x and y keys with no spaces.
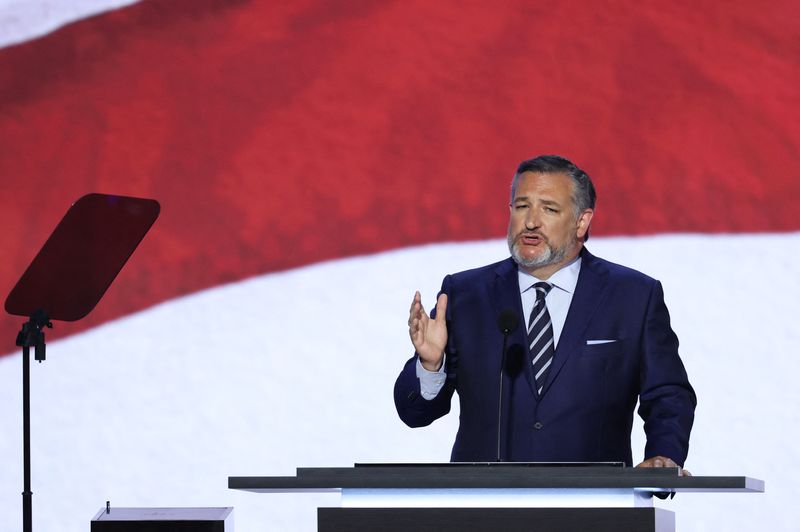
{"x":540,"y":336}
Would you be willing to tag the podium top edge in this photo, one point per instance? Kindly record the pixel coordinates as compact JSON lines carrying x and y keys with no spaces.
{"x":445,"y":476}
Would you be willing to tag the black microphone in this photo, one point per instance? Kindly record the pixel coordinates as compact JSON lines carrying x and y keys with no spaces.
{"x":507,"y":322}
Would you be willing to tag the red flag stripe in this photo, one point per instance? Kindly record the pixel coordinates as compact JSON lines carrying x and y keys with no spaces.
{"x":279,"y":135}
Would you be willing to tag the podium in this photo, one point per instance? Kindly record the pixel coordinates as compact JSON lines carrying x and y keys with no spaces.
{"x":483,"y":497}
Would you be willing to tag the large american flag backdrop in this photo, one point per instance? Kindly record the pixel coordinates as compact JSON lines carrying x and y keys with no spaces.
{"x":316,"y":162}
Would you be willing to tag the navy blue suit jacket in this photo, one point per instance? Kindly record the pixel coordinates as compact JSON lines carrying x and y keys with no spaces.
{"x":585,"y":412}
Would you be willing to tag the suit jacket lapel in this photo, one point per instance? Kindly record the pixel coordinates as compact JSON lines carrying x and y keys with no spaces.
{"x":505,"y":295}
{"x":585,"y":301}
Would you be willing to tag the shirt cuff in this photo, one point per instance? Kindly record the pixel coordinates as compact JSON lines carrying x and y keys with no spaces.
{"x":430,"y":382}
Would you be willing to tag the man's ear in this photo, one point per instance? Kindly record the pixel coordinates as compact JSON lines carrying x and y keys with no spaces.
{"x":584,"y":220}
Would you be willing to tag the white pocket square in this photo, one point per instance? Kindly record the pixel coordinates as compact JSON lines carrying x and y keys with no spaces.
{"x":596,"y":342}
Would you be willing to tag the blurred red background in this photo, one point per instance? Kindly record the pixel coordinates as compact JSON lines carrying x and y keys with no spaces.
{"x":280,"y":135}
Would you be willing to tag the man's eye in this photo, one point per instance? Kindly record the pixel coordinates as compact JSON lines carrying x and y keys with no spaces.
{"x":551,"y":209}
{"x":520,"y":207}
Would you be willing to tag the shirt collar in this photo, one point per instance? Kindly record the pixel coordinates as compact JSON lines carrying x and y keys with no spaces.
{"x":565,"y":279}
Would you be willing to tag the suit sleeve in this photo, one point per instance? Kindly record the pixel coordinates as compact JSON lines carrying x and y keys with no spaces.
{"x":666,"y":399}
{"x":413,"y":409}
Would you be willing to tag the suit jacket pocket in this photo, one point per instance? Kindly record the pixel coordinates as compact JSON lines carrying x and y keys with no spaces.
{"x":602,"y":350}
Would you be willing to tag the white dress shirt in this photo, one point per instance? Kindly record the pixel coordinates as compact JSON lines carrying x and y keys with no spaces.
{"x":558,"y":301}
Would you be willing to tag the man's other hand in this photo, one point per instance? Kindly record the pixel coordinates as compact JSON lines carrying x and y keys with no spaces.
{"x":663,"y":461}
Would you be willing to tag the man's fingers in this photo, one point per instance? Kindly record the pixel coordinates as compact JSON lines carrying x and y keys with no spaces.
{"x":416,"y":311}
{"x":441,"y":307}
{"x":663,"y":461}
{"x":418,"y":323}
{"x":658,"y":461}
{"x":417,"y":320}
{"x":416,"y":302}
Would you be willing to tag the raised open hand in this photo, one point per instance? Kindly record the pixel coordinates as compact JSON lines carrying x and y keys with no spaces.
{"x":429,"y":336}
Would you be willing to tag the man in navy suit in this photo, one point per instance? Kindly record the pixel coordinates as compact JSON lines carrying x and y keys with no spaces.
{"x":571,"y":380}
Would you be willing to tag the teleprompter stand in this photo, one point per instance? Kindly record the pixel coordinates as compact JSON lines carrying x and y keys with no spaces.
{"x":66,"y":280}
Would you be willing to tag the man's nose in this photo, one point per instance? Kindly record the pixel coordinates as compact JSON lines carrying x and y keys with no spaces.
{"x":532,"y":220}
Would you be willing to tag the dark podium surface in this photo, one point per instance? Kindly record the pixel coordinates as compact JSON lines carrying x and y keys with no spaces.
{"x":484,"y":497}
{"x":491,"y":475}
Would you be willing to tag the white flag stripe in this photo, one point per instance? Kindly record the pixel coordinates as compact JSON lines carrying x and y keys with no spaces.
{"x":23,"y":20}
{"x":157,"y":409}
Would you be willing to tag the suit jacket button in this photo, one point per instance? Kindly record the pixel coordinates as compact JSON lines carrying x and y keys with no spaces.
{"x":538,"y":425}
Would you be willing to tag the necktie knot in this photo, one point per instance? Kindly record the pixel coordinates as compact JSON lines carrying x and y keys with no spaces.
{"x":542,"y":289}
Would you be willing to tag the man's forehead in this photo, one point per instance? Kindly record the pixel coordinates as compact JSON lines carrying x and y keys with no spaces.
{"x":538,"y":183}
